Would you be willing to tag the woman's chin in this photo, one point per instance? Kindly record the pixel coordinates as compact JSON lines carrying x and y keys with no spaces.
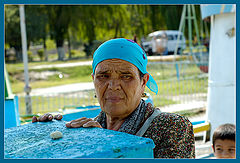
{"x":114,"y":110}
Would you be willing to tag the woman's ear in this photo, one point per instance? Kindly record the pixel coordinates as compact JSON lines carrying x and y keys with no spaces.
{"x":92,"y":76}
{"x":145,"y":79}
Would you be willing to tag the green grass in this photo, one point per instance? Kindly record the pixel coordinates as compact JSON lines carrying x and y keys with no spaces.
{"x":161,"y":101}
{"x":195,"y":49}
{"x":184,"y":86}
{"x":76,"y":55}
{"x":11,"y":67}
{"x":175,"y":88}
{"x":71,"y":75}
{"x":75,"y":74}
{"x":163,"y":71}
{"x":190,"y":113}
{"x":42,"y":104}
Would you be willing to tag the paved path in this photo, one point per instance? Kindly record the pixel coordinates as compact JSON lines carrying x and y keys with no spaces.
{"x":76,"y":87}
{"x":184,"y":106}
{"x":82,"y":63}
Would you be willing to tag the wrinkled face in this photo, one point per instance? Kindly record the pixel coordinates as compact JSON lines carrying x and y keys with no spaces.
{"x":118,"y":87}
{"x":224,"y":148}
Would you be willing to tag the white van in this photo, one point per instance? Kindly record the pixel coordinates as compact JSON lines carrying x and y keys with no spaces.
{"x":164,"y":42}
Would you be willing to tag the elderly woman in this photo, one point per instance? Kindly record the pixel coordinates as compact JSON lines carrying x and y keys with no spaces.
{"x":120,"y":76}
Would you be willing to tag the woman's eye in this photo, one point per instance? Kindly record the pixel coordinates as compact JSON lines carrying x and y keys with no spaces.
{"x":102,"y":76}
{"x":126,"y":77}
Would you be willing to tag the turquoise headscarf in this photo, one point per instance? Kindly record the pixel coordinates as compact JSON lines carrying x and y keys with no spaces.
{"x":127,"y":50}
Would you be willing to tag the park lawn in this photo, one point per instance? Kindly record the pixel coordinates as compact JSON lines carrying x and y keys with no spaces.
{"x":165,"y":75}
{"x":11,"y":67}
{"x":18,"y":86}
{"x":160,"y":102}
{"x":168,"y":71}
{"x":70,"y":75}
{"x":167,"y":89}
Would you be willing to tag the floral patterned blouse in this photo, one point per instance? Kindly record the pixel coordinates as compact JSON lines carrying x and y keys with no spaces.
{"x":172,"y":134}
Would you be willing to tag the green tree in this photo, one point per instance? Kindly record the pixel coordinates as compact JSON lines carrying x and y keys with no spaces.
{"x":171,"y":15}
{"x":100,"y":22}
{"x":88,"y":23}
{"x":59,"y":17}
{"x":36,"y":25}
{"x":12,"y":29}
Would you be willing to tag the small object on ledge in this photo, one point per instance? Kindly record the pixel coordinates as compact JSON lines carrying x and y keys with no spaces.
{"x":34,"y":119}
{"x":56,"y":135}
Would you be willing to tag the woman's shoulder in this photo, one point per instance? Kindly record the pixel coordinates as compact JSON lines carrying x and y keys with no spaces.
{"x":171,"y":118}
{"x":165,"y":117}
{"x":169,"y":128}
{"x":167,"y":121}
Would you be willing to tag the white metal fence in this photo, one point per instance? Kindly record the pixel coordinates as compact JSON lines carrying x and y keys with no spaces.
{"x":180,"y":84}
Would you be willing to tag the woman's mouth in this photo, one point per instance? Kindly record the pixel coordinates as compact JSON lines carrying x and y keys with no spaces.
{"x":114,"y":99}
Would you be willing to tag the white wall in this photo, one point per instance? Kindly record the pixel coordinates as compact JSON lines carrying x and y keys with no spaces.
{"x":222,"y":71}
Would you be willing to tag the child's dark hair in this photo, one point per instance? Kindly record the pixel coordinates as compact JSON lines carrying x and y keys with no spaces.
{"x":225,"y":131}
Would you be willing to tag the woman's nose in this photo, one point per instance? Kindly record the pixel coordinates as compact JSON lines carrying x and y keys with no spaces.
{"x":114,"y":84}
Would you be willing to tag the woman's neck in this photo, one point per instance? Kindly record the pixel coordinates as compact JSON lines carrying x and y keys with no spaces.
{"x":114,"y":123}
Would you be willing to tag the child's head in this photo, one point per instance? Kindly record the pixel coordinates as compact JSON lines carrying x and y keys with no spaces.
{"x":224,"y":141}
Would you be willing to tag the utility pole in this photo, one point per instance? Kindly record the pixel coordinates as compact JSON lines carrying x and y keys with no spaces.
{"x":27,"y":88}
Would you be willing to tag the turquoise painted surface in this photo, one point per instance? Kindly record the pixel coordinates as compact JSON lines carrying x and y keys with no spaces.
{"x":11,"y":114}
{"x":82,"y":113}
{"x":33,"y":141}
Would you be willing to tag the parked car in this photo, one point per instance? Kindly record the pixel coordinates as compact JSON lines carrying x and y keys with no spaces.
{"x":164,"y":42}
